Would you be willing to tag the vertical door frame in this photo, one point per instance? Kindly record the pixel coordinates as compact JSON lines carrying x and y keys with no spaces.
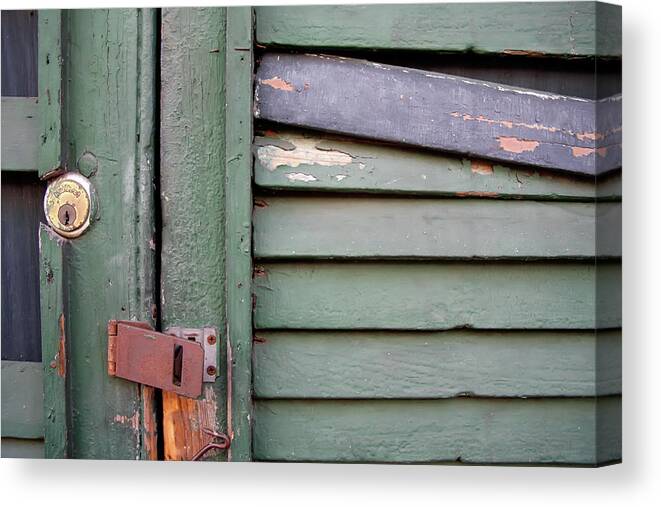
{"x":239,"y":201}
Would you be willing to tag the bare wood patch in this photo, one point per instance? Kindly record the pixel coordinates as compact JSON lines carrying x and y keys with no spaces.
{"x":481,"y":167}
{"x":184,"y":420}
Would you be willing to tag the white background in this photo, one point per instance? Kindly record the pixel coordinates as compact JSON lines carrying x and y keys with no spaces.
{"x":635,"y":482}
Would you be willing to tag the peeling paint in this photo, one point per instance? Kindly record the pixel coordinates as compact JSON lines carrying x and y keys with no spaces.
{"x":577,"y":151}
{"x":305,"y":152}
{"x":516,"y":145}
{"x":477,"y":194}
{"x":133,"y":421}
{"x":300,"y":177}
{"x":522,"y":52}
{"x":62,"y":351}
{"x":340,"y":177}
{"x":511,"y":124}
{"x":591,"y":136}
{"x":481,"y":167}
{"x":278,"y":84}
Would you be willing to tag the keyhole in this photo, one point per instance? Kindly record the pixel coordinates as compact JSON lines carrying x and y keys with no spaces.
{"x":67,"y":214}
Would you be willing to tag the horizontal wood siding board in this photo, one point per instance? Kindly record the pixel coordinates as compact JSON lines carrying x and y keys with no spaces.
{"x":20,"y":133}
{"x":439,"y":111}
{"x":310,"y":161}
{"x":387,"y":295}
{"x":376,"y":227}
{"x":371,"y":364}
{"x":465,"y":429}
{"x":22,"y":399}
{"x":558,"y":28}
{"x":22,"y":448}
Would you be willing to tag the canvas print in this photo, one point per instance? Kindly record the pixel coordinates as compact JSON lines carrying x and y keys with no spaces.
{"x":342,"y":233}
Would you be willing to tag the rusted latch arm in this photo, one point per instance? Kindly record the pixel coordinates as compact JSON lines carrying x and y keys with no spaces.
{"x":138,"y":353}
{"x":224,"y":443}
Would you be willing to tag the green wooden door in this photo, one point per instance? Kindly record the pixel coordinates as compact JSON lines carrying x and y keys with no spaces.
{"x":405,"y":305}
{"x":138,"y":101}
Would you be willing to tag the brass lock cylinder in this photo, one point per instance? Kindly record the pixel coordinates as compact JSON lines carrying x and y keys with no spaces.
{"x":69,"y":204}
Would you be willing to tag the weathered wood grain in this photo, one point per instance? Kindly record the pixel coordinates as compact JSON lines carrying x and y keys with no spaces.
{"x":111,"y":67}
{"x":308,"y":364}
{"x":55,"y":346}
{"x":238,"y":195}
{"x":556,"y":28}
{"x":52,"y":156}
{"x":376,"y":227}
{"x":20,"y":133}
{"x":381,"y":295}
{"x":440,"y":111}
{"x":582,"y":431}
{"x":291,"y":160}
{"x":192,"y":183}
{"x":22,"y":399}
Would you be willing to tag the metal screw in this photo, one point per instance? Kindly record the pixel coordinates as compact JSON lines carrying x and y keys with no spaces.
{"x":211,"y":339}
{"x":211,"y":370}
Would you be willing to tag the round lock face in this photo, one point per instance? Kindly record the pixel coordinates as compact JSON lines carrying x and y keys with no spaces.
{"x":68,"y":204}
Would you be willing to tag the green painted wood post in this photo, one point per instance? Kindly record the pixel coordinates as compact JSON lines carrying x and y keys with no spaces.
{"x":192,"y":185}
{"x":238,"y":139}
{"x":109,"y":95}
{"x":50,"y":92}
{"x":53,"y":341}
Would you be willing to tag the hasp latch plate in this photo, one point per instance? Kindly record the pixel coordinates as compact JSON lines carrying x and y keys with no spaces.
{"x":173,"y":363}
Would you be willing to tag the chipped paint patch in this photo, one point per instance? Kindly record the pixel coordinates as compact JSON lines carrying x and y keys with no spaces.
{"x":522,"y":52}
{"x":133,"y":421}
{"x":516,"y":145}
{"x":477,"y":194}
{"x":340,"y":177}
{"x":481,"y":167}
{"x":278,"y":84}
{"x":307,"y":178}
{"x":589,"y":136}
{"x":577,"y":151}
{"x":305,"y":151}
{"x":62,"y":350}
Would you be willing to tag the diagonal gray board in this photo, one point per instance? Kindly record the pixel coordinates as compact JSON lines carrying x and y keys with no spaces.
{"x":440,"y":111}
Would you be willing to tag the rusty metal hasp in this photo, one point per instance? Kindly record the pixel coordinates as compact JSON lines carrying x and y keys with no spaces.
{"x":178,"y":364}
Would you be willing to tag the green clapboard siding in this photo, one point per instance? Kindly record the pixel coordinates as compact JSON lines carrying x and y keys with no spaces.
{"x":22,"y":448}
{"x":307,"y":364}
{"x":383,"y":295}
{"x":468,"y":430}
{"x":20,"y":133}
{"x":556,"y":28}
{"x":22,"y":399}
{"x":291,"y":160}
{"x":426,"y":228}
